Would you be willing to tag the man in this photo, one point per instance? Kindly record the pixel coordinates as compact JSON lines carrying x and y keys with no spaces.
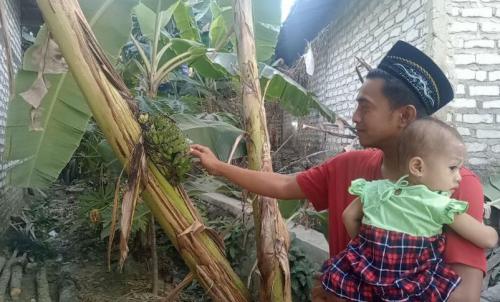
{"x":406,"y":85}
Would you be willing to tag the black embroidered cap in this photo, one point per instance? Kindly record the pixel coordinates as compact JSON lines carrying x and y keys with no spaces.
{"x":420,"y":73}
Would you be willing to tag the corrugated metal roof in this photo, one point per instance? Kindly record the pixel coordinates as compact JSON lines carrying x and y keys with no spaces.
{"x":306,"y":19}
{"x":31,"y":16}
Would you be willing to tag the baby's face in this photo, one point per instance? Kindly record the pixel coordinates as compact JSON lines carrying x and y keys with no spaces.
{"x":442,"y":171}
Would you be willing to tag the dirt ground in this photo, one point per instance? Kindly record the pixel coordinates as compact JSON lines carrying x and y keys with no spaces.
{"x":74,"y":257}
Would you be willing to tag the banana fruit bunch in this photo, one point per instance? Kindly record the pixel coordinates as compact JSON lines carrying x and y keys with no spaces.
{"x":166,"y":146}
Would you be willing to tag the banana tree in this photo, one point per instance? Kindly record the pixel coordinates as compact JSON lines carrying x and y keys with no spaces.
{"x":59,"y":119}
{"x":108,"y":99}
{"x":56,"y":121}
{"x":271,"y":232}
{"x":67,"y":114}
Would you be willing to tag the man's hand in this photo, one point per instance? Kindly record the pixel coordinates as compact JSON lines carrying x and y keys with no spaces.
{"x":263,"y":183}
{"x":207,"y":158}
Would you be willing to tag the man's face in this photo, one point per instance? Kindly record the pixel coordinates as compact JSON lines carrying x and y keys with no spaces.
{"x":376,"y":123}
{"x":442,"y":170}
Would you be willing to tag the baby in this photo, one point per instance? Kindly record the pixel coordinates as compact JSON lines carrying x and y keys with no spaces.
{"x":396,"y":251}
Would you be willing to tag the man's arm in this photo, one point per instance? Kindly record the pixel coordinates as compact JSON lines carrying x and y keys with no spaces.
{"x":263,"y":183}
{"x":465,"y":258}
{"x":469,"y":289}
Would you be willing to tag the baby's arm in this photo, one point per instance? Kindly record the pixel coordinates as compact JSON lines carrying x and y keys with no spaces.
{"x":352,"y":217}
{"x":469,"y":228}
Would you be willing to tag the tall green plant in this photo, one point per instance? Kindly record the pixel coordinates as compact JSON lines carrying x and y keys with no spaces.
{"x":34,"y":135}
{"x":108,"y":98}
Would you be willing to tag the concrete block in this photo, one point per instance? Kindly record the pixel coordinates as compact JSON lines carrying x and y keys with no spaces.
{"x":478,"y":118}
{"x":414,"y":6}
{"x":494,"y":75}
{"x":378,"y":32}
{"x":480,"y":133}
{"x":460,"y":89}
{"x":311,"y":241}
{"x":463,"y":131}
{"x":475,"y":161}
{"x":477,"y":12}
{"x":481,"y":75}
{"x":479,"y":43}
{"x":463,"y":103}
{"x":491,"y":104}
{"x":401,"y":15}
{"x":396,"y":32}
{"x":484,"y":90}
{"x":490,"y":27}
{"x":487,"y":58}
{"x":476,"y":147}
{"x":384,"y":38}
{"x":412,"y":35}
{"x":463,"y":27}
{"x":465,"y":74}
{"x":464,"y":59}
{"x":383,"y":15}
{"x":420,"y":18}
{"x":495,"y":148}
{"x":389,"y":23}
{"x":408,"y":24}
{"x":457,"y":43}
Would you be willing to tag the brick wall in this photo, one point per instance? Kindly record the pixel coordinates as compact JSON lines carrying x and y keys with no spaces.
{"x":462,"y":36}
{"x":474,"y":38}
{"x":10,"y":198}
{"x":366,"y":29}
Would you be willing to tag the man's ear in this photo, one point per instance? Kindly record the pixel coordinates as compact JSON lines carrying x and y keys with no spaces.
{"x":408,"y":114}
{"x":416,"y":166}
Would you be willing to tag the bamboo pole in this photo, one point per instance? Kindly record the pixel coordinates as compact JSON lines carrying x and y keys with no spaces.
{"x":271,"y":232}
{"x":108,"y":99}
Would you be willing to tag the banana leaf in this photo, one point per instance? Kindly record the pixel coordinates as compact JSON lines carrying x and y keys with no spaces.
{"x":64,"y":112}
{"x":217,"y":135}
{"x":147,"y":18}
{"x":276,"y":87}
{"x":179,"y":10}
{"x":267,"y":22}
{"x":289,"y":207}
{"x":222,"y":20}
{"x":185,"y":22}
{"x":203,"y":64}
{"x":158,"y":5}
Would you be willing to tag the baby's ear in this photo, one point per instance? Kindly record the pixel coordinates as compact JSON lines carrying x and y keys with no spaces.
{"x":416,"y":166}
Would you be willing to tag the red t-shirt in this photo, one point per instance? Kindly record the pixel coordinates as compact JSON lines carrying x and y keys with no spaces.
{"x":326,"y":188}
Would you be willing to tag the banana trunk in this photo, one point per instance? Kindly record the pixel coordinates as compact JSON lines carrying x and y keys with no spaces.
{"x":271,"y":231}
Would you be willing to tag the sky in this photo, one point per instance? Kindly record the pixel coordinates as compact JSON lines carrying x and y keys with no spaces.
{"x":286,"y":5}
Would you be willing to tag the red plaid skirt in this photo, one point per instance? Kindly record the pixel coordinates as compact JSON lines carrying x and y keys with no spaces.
{"x":381,"y":265}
